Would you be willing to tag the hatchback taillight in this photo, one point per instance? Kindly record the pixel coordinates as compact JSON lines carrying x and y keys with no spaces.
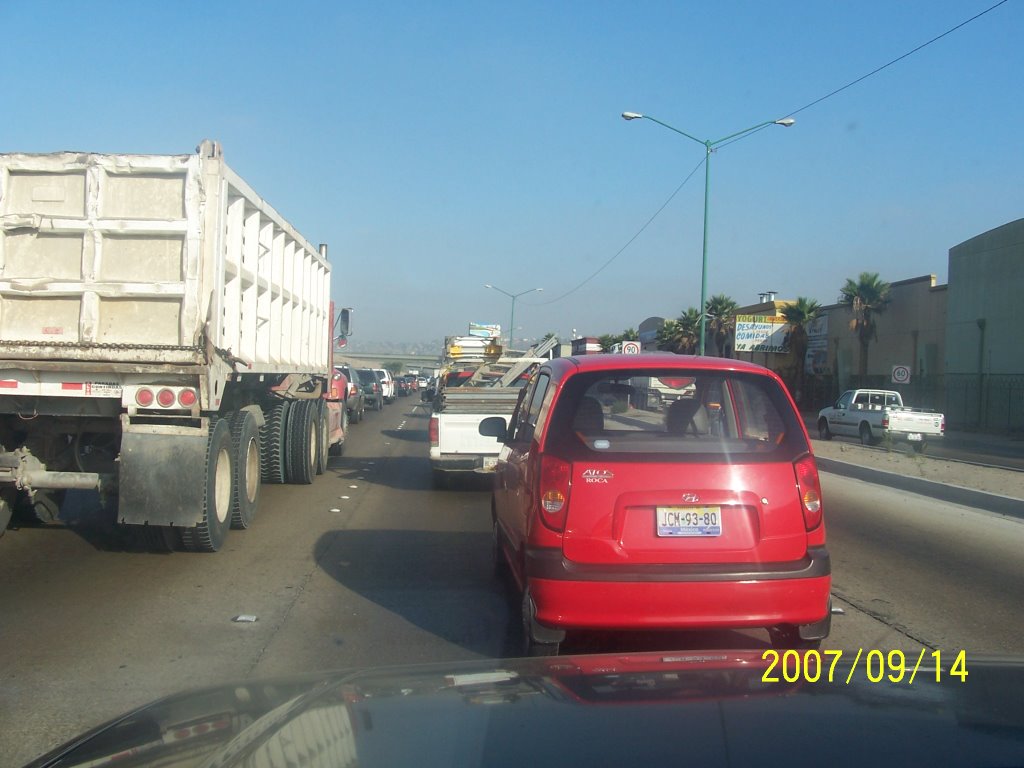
{"x":809,"y":487}
{"x":553,"y":493}
{"x":433,"y":431}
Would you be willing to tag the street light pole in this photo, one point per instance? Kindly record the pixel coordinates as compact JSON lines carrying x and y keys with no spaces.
{"x":709,"y":146}
{"x":513,"y":296}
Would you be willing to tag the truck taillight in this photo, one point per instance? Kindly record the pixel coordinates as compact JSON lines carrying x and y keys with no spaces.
{"x":942,"y":424}
{"x":433,"y":432}
{"x":885,"y":421}
{"x":187,"y":398}
{"x":165,"y":398}
{"x":144,"y":397}
{"x":553,"y":495}
{"x":808,"y":486}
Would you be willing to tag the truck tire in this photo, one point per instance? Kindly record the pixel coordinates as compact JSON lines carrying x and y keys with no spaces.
{"x":865,"y":434}
{"x":323,"y":431}
{"x":245,"y":438}
{"x":273,"y":437}
{"x":209,"y":533}
{"x":158,"y":539}
{"x":823,"y":431}
{"x":302,"y":443}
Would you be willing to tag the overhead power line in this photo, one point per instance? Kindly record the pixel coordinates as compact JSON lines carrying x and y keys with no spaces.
{"x":807,"y":106}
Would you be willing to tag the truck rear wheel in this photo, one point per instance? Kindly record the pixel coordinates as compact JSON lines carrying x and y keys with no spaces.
{"x":209,"y":533}
{"x":865,"y":434}
{"x":323,"y":427}
{"x":245,"y":438}
{"x":302,"y":443}
{"x":273,"y":439}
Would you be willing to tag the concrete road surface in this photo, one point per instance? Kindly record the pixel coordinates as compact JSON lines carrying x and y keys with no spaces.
{"x":371,"y":566}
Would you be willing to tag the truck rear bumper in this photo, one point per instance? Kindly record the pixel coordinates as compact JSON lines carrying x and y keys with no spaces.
{"x":463,"y":463}
{"x":914,"y":437}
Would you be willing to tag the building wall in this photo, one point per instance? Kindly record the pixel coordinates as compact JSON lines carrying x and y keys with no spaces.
{"x":986,"y":282}
{"x":910,"y":332}
{"x":984,"y":354}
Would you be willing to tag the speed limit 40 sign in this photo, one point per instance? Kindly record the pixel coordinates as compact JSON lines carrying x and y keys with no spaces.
{"x":900,"y":374}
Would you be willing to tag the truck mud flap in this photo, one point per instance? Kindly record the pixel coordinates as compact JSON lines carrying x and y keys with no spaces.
{"x":162,"y":478}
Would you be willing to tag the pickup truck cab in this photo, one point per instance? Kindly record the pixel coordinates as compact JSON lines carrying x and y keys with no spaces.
{"x":876,"y":414}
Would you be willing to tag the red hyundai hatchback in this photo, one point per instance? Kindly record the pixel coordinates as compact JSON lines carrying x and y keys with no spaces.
{"x":660,"y":492}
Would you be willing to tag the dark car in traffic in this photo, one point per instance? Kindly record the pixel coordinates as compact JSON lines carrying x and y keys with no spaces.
{"x":373,"y":388}
{"x":356,"y":401}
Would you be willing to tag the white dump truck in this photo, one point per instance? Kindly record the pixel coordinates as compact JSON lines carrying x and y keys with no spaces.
{"x":166,"y":339}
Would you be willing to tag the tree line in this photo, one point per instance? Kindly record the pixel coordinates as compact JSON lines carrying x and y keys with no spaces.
{"x":867,"y":296}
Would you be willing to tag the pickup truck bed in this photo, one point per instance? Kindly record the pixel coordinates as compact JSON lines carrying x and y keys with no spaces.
{"x":456,"y":445}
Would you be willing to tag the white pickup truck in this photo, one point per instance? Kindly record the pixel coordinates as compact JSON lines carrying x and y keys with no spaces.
{"x":493,"y":389}
{"x":877,"y":414}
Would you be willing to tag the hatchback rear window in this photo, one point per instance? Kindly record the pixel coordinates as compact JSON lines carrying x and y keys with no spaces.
{"x":693,"y":414}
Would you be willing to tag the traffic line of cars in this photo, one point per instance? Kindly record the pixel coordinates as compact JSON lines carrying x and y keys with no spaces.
{"x":370,"y":389}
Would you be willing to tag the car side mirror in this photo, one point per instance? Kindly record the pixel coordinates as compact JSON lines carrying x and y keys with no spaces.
{"x":494,"y":426}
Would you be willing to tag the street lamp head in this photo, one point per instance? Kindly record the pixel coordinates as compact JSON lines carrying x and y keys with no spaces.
{"x":785,"y":122}
{"x":631,"y":115}
{"x":488,"y":285}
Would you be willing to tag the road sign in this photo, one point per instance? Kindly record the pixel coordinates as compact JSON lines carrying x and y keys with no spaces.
{"x":901,"y":374}
{"x":631,"y":347}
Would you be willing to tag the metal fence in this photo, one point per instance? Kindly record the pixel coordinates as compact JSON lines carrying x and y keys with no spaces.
{"x":990,"y":402}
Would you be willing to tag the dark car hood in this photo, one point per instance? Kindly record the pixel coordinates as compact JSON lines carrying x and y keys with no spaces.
{"x":648,"y":709}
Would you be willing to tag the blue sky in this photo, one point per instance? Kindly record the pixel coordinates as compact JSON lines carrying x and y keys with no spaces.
{"x":438,"y":147}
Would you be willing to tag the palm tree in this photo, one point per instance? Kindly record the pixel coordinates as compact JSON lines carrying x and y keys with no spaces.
{"x":799,"y":315}
{"x":721,"y":312}
{"x":867,"y":296}
{"x":682,"y":334}
{"x":607,"y":341}
{"x":665,"y":339}
{"x":630,"y":334}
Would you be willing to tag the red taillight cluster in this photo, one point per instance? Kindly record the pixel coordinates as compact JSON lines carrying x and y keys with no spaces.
{"x":433,"y":431}
{"x":808,"y":486}
{"x":165,"y":398}
{"x":885,"y":421}
{"x":553,"y":493}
